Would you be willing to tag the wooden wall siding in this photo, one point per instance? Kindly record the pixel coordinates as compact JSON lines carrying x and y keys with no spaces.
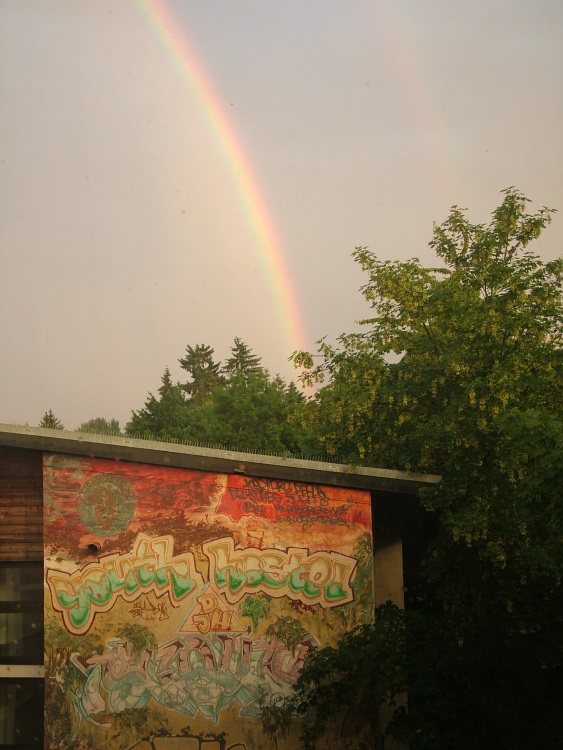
{"x":21,"y":504}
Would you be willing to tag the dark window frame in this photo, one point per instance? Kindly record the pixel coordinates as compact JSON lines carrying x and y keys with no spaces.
{"x":23,"y":607}
{"x":39,"y":683}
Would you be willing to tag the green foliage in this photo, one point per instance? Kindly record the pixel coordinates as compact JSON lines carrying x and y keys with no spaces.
{"x":100,"y":426}
{"x":253,"y":412}
{"x":63,"y":681}
{"x":138,"y":637}
{"x":237,"y":406}
{"x":204,"y":371}
{"x":242,"y":361}
{"x":275,"y":718}
{"x":340,"y":690}
{"x":164,"y":416}
{"x":288,"y":630}
{"x":59,"y":640}
{"x":51,"y":421}
{"x":256,"y":607}
{"x":363,"y":578}
{"x":460,"y":372}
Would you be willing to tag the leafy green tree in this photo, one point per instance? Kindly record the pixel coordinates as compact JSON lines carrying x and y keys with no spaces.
{"x":51,"y":421}
{"x":242,"y":362}
{"x":249,"y":411}
{"x":163,"y":416}
{"x":252,"y":414}
{"x":340,"y":690}
{"x":460,"y":372}
{"x":101,"y":426}
{"x":294,"y":434}
{"x":204,"y":371}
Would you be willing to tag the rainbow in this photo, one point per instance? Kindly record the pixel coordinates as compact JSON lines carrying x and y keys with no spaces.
{"x":173,"y":39}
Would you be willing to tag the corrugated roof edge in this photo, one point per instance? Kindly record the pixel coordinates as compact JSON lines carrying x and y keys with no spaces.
{"x":212,"y":459}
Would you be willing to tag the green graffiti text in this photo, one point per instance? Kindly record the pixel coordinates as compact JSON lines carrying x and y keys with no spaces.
{"x":150,"y":566}
{"x":320,"y":578}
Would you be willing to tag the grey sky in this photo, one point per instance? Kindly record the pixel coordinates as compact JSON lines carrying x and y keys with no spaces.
{"x":123,"y":234}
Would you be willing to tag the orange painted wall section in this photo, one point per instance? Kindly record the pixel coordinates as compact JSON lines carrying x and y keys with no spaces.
{"x":177,"y":602}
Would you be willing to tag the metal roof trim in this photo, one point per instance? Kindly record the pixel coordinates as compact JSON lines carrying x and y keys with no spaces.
{"x":212,"y":459}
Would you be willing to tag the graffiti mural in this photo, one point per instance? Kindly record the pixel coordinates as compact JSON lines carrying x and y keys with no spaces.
{"x":178,"y":602}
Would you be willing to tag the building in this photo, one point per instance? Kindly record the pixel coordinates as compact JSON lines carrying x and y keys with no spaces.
{"x":153,"y":595}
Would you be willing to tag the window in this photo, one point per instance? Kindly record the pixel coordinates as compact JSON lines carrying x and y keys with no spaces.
{"x":21,"y":654}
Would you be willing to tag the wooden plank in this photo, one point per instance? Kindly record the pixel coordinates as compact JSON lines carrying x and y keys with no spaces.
{"x":30,"y":552}
{"x":21,"y":504}
{"x":15,"y":529}
{"x":10,"y":487}
{"x":20,"y":464}
{"x":21,"y":511}
{"x":15,"y":544}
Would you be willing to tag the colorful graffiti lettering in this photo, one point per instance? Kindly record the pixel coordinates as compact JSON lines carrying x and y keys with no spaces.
{"x":210,"y":615}
{"x":149,"y":648}
{"x":150,"y":566}
{"x":283,"y":501}
{"x":321,"y":578}
{"x":189,"y":674}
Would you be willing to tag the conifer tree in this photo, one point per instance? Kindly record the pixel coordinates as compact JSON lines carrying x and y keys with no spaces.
{"x":162,"y":417}
{"x":242,"y":361}
{"x":51,"y":421}
{"x":204,"y":371}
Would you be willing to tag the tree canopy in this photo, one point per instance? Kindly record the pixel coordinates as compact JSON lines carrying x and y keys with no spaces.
{"x":242,"y":361}
{"x":459,"y":372}
{"x":236,"y":404}
{"x":204,"y":371}
{"x":101,"y":426}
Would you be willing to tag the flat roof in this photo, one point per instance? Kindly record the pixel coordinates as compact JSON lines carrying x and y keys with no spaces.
{"x":212,"y":459}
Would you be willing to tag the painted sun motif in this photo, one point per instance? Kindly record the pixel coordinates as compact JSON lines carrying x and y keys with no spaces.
{"x":106,"y":504}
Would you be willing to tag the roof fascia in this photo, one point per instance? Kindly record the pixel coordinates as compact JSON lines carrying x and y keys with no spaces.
{"x":212,"y":459}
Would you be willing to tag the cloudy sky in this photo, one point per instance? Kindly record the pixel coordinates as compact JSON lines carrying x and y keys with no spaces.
{"x":177,"y":172}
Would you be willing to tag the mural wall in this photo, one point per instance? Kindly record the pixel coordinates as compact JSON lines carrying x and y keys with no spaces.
{"x":178,"y":602}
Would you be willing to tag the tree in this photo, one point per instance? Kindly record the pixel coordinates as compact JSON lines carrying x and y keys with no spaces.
{"x":254,"y":414}
{"x":51,"y":421}
{"x":163,"y":416}
{"x":249,"y":411}
{"x":459,"y":372}
{"x":204,"y":371}
{"x":339,"y":690}
{"x":242,"y":361}
{"x":101,"y":426}
{"x":167,"y":387}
